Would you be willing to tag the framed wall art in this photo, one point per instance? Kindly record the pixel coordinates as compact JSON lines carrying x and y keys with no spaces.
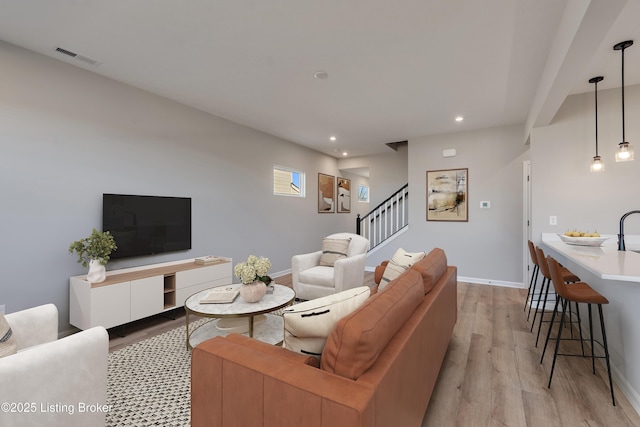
{"x":344,"y":195}
{"x":326,"y":193}
{"x":448,"y":195}
{"x":363,"y":193}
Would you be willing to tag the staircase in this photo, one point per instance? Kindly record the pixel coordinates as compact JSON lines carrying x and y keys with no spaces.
{"x":386,"y":219}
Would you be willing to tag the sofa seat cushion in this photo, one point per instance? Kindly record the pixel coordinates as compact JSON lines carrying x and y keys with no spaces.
{"x":358,"y":339}
{"x":319,"y":275}
{"x":432,"y":267}
{"x":307,"y":325}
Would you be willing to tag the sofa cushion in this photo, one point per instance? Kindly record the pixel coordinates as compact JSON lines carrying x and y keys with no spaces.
{"x":307,"y":325}
{"x":431,"y":267}
{"x":8,"y":343}
{"x":333,"y":250}
{"x":400,"y":263}
{"x":358,"y":339}
{"x":319,"y":275}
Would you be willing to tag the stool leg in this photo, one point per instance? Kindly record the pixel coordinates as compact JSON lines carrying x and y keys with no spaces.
{"x":606,"y":352}
{"x":532,"y":283}
{"x":542,"y":290}
{"x":533,"y":293}
{"x":553,"y":317}
{"x":544,"y":304}
{"x":580,"y":329}
{"x":555,"y":354}
{"x":593,"y":350}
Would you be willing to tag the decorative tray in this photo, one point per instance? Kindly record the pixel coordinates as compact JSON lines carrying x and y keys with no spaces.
{"x":583,"y":241}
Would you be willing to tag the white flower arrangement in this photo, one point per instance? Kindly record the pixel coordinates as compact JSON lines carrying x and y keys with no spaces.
{"x":253,"y":269}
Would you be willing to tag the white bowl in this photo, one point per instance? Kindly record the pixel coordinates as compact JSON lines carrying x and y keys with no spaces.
{"x":583,"y":241}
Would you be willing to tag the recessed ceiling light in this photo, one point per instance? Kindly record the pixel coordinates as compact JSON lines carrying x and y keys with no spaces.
{"x":332,"y":138}
{"x":344,"y":153}
{"x":459,"y":119}
{"x":321,"y":75}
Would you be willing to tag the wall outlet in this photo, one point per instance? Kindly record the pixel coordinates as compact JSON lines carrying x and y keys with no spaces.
{"x":553,"y":220}
{"x":485,"y":204}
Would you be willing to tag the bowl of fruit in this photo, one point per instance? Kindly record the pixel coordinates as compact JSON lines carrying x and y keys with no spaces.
{"x":582,"y":238}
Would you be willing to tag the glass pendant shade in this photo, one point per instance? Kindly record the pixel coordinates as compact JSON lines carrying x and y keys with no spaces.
{"x":597,"y":165}
{"x":624,"y":152}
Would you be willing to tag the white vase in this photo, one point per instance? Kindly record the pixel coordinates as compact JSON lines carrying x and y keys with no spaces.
{"x":97,"y":272}
{"x":253,"y":292}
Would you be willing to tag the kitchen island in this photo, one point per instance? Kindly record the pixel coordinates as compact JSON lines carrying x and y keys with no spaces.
{"x":616,"y":275}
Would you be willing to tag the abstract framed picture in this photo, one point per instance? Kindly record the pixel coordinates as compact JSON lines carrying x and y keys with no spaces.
{"x":326,"y":193}
{"x":344,"y":195}
{"x":448,"y":195}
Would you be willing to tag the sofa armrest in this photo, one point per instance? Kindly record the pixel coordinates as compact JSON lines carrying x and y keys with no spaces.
{"x":349,"y":272}
{"x":232,"y":384}
{"x":71,"y":371}
{"x":379,"y":271}
{"x":303,"y":262}
{"x":33,"y":326}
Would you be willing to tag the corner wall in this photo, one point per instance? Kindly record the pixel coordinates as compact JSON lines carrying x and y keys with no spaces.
{"x":489,"y":247}
{"x":68,"y":135}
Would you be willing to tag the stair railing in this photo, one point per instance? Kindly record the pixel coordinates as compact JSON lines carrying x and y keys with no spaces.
{"x":386,"y":219}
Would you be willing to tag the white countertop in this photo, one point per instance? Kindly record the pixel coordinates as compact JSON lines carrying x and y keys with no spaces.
{"x":604,"y":261}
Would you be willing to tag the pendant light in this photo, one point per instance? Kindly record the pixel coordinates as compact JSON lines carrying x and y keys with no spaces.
{"x":624,"y":152}
{"x":597,"y":165}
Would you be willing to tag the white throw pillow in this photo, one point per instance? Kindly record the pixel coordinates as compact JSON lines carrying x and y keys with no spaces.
{"x":8,"y":343}
{"x":400,"y":263}
{"x":308,"y":324}
{"x":333,"y":250}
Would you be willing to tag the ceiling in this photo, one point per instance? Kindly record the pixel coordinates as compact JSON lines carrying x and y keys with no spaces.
{"x":396,"y":69}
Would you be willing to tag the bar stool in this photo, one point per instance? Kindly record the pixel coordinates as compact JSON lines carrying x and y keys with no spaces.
{"x":534,"y":277}
{"x":567,"y":277}
{"x":578,"y":293}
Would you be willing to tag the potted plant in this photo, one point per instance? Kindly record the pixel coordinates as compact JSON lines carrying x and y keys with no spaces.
{"x":94,"y":251}
{"x":253,"y":275}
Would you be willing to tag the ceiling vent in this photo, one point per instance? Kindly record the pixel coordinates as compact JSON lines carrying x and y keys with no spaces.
{"x":394,"y":145}
{"x":76,"y":56}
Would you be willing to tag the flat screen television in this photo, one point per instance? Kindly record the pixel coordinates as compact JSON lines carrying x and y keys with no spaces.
{"x":146,"y":225}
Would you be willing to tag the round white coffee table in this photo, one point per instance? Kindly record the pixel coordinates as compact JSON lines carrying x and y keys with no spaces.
{"x":239,"y":316}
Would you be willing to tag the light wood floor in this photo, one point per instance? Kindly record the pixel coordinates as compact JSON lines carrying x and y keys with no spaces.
{"x":491,"y":375}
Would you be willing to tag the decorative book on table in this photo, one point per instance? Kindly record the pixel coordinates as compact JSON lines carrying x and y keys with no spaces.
{"x":209,"y":259}
{"x":221,"y":295}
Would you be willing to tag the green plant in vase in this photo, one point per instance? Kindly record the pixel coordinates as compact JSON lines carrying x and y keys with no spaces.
{"x":94,"y":251}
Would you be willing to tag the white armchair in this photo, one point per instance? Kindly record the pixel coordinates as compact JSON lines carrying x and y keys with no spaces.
{"x":51,"y":381}
{"x":312,"y":280}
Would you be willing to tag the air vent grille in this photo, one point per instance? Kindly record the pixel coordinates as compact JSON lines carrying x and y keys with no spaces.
{"x":66,"y":52}
{"x":74,"y":55}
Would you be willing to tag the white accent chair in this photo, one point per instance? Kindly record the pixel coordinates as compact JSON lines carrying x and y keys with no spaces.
{"x":57,"y":378}
{"x":312,"y":280}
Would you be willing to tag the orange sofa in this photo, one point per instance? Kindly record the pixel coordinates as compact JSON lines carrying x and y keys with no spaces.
{"x":378,"y":367}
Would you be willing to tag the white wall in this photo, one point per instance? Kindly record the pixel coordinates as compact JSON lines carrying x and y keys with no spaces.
{"x":68,"y":135}
{"x":560,"y":154}
{"x":488,"y":248}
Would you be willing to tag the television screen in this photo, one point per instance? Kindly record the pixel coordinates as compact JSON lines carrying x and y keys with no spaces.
{"x":145,"y":225}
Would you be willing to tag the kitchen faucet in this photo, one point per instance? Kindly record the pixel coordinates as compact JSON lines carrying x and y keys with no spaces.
{"x":621,"y":235}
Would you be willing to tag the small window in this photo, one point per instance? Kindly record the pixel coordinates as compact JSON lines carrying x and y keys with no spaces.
{"x":363,"y":193}
{"x":288,"y":182}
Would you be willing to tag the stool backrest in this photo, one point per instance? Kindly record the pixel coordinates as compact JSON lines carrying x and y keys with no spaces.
{"x":556,"y":278}
{"x":532,"y":252}
{"x":542,"y":265}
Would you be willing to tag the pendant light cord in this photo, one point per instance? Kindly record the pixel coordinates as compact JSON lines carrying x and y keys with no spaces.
{"x":597,"y":118}
{"x":623,"y":137}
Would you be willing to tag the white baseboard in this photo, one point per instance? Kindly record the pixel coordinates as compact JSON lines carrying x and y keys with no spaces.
{"x":492,"y":282}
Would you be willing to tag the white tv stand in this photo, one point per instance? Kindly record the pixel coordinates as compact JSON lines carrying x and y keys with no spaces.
{"x":134,"y":293}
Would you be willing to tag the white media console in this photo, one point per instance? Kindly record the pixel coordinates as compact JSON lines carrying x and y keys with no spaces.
{"x":134,"y":293}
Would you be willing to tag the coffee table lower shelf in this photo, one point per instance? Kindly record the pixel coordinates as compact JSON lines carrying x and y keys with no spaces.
{"x":268,"y":328}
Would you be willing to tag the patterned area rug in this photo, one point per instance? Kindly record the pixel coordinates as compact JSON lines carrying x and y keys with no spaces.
{"x":149,"y":382}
